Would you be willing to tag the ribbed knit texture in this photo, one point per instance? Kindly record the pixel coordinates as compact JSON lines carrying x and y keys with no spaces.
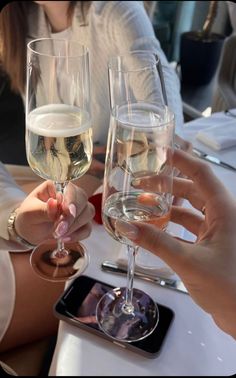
{"x":112,"y":28}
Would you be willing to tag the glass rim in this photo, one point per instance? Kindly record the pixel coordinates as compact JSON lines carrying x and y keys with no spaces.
{"x":114,"y":58}
{"x":164,"y":123}
{"x":77,"y":55}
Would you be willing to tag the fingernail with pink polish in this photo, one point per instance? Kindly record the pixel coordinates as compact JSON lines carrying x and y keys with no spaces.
{"x":127,"y":229}
{"x":67,"y":239}
{"x":72,"y":209}
{"x":61,"y":229}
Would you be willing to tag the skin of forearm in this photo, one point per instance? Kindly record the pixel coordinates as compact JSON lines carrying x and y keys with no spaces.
{"x":225,"y":313}
{"x":56,"y":14}
{"x":227,"y":322}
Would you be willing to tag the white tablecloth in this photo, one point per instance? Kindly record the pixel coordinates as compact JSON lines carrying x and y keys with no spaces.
{"x":227,"y":155}
{"x":194,"y":345}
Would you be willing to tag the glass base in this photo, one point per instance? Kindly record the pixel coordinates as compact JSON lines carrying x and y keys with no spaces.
{"x":59,"y":267}
{"x":122,"y":325}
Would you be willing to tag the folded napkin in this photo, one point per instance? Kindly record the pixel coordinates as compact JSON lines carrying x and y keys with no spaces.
{"x":220,"y":136}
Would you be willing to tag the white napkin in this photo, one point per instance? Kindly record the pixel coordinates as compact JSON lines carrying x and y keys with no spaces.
{"x":219,"y":136}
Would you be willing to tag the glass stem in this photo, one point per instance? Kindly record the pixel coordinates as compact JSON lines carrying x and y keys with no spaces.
{"x":128,"y":305}
{"x":60,"y":188}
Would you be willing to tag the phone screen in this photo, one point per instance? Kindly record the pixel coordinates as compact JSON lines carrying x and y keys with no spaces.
{"x":78,"y":304}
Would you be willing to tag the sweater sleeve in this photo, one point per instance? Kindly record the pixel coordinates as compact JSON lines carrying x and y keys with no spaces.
{"x":129,"y":28}
{"x":11,"y":196}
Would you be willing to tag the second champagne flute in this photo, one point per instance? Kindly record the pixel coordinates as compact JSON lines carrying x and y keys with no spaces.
{"x":139,"y":149}
{"x":58,"y":137}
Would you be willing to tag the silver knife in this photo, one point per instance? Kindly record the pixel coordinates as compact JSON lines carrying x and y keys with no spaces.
{"x":212,"y":159}
{"x":114,"y":267}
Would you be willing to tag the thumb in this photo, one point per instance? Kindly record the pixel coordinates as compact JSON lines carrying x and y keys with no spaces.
{"x":169,"y":249}
{"x":53,"y":209}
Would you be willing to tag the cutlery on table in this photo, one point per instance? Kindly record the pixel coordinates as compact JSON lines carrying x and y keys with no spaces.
{"x":169,"y":283}
{"x":157,"y":271}
{"x":212,"y":159}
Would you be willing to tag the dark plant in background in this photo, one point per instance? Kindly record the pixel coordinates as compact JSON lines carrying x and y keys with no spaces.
{"x":200,"y":51}
{"x":210,"y":19}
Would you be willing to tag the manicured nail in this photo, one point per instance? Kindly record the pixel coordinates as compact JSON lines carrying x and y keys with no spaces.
{"x":61,"y":229}
{"x":66,"y":239}
{"x":72,"y":209}
{"x":127,"y":229}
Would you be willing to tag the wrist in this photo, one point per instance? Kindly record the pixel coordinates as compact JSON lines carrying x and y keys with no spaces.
{"x":13,"y":235}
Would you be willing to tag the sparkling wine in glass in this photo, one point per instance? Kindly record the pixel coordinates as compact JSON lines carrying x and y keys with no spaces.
{"x":137,"y":181}
{"x":58,"y":137}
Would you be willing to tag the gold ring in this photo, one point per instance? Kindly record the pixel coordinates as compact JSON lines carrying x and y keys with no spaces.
{"x":203,"y":210}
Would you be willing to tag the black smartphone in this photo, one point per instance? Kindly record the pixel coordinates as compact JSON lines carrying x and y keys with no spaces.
{"x":77,"y":306}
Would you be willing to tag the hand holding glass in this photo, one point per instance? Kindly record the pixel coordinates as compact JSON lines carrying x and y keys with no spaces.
{"x":58,"y":137}
{"x":139,"y":147}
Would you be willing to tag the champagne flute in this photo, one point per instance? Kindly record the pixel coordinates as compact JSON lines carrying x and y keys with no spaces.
{"x":140,"y":143}
{"x":58,"y":137}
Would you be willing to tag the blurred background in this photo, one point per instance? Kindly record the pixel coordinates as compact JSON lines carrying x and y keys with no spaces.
{"x":172,"y":21}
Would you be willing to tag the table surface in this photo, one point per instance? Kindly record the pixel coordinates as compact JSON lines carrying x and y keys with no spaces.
{"x":194,"y":345}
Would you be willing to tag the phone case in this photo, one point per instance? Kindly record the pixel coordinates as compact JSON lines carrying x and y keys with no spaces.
{"x":149,"y":347}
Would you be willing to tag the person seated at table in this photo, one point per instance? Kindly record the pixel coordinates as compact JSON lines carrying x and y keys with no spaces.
{"x":26,"y":301}
{"x":207,"y":266}
{"x":106,"y":27}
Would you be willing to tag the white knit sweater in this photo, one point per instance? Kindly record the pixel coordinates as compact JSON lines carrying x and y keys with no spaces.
{"x":111,"y":28}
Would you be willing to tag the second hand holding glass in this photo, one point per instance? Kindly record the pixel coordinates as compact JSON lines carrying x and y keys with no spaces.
{"x":140,"y":143}
{"x":58,"y":137}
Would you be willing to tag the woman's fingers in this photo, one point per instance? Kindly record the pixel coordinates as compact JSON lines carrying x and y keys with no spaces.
{"x":71,"y":213}
{"x":67,"y":225}
{"x":82,"y":219}
{"x":169,"y":249}
{"x":53,"y":210}
{"x":184,"y":188}
{"x":183,"y":144}
{"x":159,"y":183}
{"x":44,"y":191}
{"x":81,"y":233}
{"x":199,"y":172}
{"x":76,"y":196}
{"x":44,"y":214}
{"x":187,"y":218}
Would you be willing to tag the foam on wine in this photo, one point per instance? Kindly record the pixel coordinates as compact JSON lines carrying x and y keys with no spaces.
{"x":58,"y":120}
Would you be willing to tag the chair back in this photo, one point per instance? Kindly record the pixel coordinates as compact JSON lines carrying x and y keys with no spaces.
{"x":224,"y":96}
